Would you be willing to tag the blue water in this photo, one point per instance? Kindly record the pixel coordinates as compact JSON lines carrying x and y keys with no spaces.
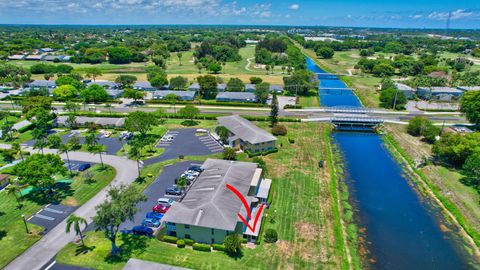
{"x":402,"y":230}
{"x":330,"y":95}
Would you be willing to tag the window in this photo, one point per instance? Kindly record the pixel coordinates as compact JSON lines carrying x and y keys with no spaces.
{"x":187,"y":236}
{"x":187,"y":226}
{"x":213,"y":231}
{"x":213,"y":240}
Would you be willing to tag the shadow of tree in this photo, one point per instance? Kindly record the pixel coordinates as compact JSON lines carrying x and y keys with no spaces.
{"x":61,"y":190}
{"x":83,"y":249}
{"x":189,"y":123}
{"x":3,"y":233}
{"x":132,"y":244}
{"x":473,"y":182}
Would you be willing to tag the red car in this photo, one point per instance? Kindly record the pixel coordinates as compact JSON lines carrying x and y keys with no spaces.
{"x":160,"y":208}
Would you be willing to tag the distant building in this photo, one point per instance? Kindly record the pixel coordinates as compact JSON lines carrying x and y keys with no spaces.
{"x":469,"y":88}
{"x":439,"y":93}
{"x":4,"y":180}
{"x":251,"y":41}
{"x":108,"y":85}
{"x":144,"y":86}
{"x":17,"y":57}
{"x":221,"y":87}
{"x":405,"y":89}
{"x":46,"y":50}
{"x":276,"y":88}
{"x":33,"y":57}
{"x":53,"y":58}
{"x":245,"y":135}
{"x":250,"y":87}
{"x":101,"y":121}
{"x":114,"y":93}
{"x":236,"y":97}
{"x":183,"y":95}
{"x":194,"y":87}
{"x":37,"y":84}
{"x":209,"y":211}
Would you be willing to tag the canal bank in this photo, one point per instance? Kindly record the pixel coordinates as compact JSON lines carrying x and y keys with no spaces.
{"x":402,"y":228}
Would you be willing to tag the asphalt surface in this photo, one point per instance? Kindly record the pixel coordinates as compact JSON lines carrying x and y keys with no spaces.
{"x":41,"y":253}
{"x":51,"y":215}
{"x":186,"y":143}
{"x":157,"y":190}
{"x":113,"y":145}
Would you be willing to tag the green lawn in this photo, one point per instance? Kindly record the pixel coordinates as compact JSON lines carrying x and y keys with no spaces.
{"x":309,"y":101}
{"x":13,"y":238}
{"x":301,"y":212}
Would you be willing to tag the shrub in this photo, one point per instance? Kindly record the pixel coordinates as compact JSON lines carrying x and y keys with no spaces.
{"x":271,"y":236}
{"x":218,"y":247}
{"x":229,"y":154}
{"x":279,"y":130}
{"x":291,"y":139}
{"x":170,"y":239}
{"x":180,"y":243}
{"x":233,"y":244}
{"x":189,"y":242}
{"x":201,"y":247}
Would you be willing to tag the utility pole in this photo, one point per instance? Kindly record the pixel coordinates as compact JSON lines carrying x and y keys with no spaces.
{"x":395,"y":100}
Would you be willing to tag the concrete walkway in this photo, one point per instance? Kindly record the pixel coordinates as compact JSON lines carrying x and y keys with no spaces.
{"x":50,"y":244}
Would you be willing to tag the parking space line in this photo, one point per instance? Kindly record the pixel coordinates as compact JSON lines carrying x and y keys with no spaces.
{"x":53,"y":210}
{"x":44,"y":217}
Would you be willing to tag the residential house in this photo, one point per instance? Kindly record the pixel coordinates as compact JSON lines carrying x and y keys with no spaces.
{"x":33,"y":57}
{"x":108,"y":85}
{"x":405,"y":89}
{"x":17,"y":57}
{"x":275,"y":88}
{"x":144,"y":86}
{"x":194,"y":87}
{"x":109,"y":122}
{"x":37,"y":84}
{"x":221,"y":87}
{"x":246,"y":136}
{"x":183,"y":95}
{"x":439,"y":93}
{"x":114,"y":93}
{"x":52,"y":57}
{"x":209,"y":211}
{"x":45,"y":50}
{"x":250,"y":87}
{"x":236,"y":97}
{"x":4,"y":180}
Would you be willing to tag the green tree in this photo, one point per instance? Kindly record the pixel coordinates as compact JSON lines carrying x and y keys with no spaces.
{"x":179,"y":56}
{"x":173,"y":99}
{"x":14,"y":189}
{"x":262,"y":91}
{"x":64,"y":148}
{"x":470,"y":105}
{"x":133,"y":94}
{"x":178,"y":83}
{"x":274,"y":111}
{"x":120,"y":206}
{"x":430,"y":133}
{"x":126,"y":81}
{"x":223,"y":133}
{"x":189,"y":112}
{"x":97,"y":149}
{"x":229,"y":154}
{"x":271,"y":236}
{"x":208,"y":86}
{"x":472,"y":165}
{"x":140,"y":121}
{"x":135,"y":153}
{"x":300,"y":82}
{"x":235,"y":85}
{"x":94,"y":93}
{"x":69,"y":80}
{"x":215,"y":68}
{"x":76,"y":222}
{"x":159,"y":81}
{"x":93,"y":73}
{"x":325,"y":52}
{"x":255,"y":80}
{"x":383,"y":70}
{"x":392,"y":98}
{"x":38,"y":170}
{"x":54,"y":141}
{"x":74,"y":142}
{"x":416,"y":125}
{"x":119,"y":55}
{"x":233,"y":244}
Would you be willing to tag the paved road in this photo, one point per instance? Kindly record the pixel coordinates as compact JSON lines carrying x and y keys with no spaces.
{"x":46,"y":248}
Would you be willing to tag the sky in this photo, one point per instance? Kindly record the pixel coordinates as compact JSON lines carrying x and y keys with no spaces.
{"x":365,"y":13}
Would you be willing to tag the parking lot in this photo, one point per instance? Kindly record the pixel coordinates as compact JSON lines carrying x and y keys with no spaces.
{"x":186,"y":142}
{"x":157,"y":190}
{"x":51,"y":215}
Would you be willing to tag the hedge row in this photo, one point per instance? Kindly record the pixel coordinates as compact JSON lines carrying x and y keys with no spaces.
{"x":218,"y":247}
{"x":251,"y":155}
{"x":202,"y":247}
{"x":208,"y":103}
{"x":170,"y":239}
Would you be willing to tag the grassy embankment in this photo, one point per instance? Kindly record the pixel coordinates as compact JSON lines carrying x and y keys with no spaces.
{"x":304,"y":211}
{"x":13,"y":238}
{"x":458,"y":201}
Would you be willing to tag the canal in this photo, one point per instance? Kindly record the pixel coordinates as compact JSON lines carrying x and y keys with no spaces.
{"x":403,"y":230}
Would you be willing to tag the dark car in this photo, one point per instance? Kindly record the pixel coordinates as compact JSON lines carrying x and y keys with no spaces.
{"x":196,"y":168}
{"x":142,"y":230}
{"x":173,"y":191}
{"x":84,"y":167}
{"x":154,"y":215}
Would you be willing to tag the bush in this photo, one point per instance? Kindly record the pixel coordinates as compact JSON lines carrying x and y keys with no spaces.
{"x":279,"y":130}
{"x":189,"y":242}
{"x":271,"y":236}
{"x":180,"y":243}
{"x":218,"y":247}
{"x":170,"y":239}
{"x":233,"y":244}
{"x":291,"y":139}
{"x":229,"y":154}
{"x":201,"y":247}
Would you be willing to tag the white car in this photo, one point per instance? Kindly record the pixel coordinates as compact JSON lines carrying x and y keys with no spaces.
{"x":192,"y":172}
{"x":165,"y":201}
{"x":167,"y":138}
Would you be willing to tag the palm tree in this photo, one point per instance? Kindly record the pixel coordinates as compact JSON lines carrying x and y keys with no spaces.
{"x":179,"y":55}
{"x":109,"y":107}
{"x":97,"y":149}
{"x":76,"y":221}
{"x":63,"y":149}
{"x":17,"y":149}
{"x":13,"y":189}
{"x":136,"y":154}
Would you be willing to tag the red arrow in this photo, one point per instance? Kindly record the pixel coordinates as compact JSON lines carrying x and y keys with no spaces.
{"x":247,"y":207}
{"x":240,"y":196}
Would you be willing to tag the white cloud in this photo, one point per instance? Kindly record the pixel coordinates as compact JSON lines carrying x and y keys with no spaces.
{"x":294,"y":7}
{"x":416,"y":16}
{"x":455,"y":15}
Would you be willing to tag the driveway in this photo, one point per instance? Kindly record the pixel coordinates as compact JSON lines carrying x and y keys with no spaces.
{"x":157,"y":190}
{"x":186,"y":142}
{"x":51,"y":215}
{"x":39,"y":254}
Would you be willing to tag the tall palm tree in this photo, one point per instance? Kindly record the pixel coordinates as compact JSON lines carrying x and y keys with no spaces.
{"x":17,"y":149}
{"x":97,"y":149}
{"x":76,"y":221}
{"x":136,"y":154}
{"x":13,"y":189}
{"x":63,"y":149}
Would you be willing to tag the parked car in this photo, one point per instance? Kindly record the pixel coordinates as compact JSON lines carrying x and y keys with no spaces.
{"x":160,"y":208}
{"x":188,"y":177}
{"x":165,"y":201}
{"x":154,"y":215}
{"x":167,"y":138}
{"x":151,"y":222}
{"x":173,"y":191}
{"x":142,"y":230}
{"x":84,"y":167}
{"x":192,"y":172}
{"x":196,"y":168}
{"x":126,"y":135}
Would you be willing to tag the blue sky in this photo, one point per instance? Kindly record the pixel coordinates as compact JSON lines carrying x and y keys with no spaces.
{"x":372,"y":13}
